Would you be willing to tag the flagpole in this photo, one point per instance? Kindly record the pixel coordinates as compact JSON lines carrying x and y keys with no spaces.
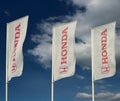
{"x":52,"y":87}
{"x":6,"y":83}
{"x":6,"y":90}
{"x":93,"y":94}
{"x":52,"y":96}
{"x":92,"y":52}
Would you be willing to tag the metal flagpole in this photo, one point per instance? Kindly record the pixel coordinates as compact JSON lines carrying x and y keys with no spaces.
{"x":52,"y":80}
{"x":52,"y":92}
{"x":6,"y":88}
{"x":52,"y":96}
{"x":92,"y":44}
{"x":6,"y":83}
{"x":93,"y":93}
{"x":93,"y":97}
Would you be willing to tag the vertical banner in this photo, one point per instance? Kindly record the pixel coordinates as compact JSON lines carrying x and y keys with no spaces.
{"x":103,"y":51}
{"x":63,"y":55}
{"x":16,"y":32}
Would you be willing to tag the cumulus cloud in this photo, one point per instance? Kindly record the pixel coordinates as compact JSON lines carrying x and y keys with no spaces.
{"x":43,"y":54}
{"x":83,"y":95}
{"x":104,"y":96}
{"x":97,"y":12}
{"x":116,"y":97}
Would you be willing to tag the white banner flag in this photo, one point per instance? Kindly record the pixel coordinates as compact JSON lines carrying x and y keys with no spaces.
{"x":63,"y":56}
{"x":103,"y":51}
{"x":16,"y":32}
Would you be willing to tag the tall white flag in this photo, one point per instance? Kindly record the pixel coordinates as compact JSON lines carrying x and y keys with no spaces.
{"x":63,"y":56}
{"x":103,"y":51}
{"x":16,"y":32}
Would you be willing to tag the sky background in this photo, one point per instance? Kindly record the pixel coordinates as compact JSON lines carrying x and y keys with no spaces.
{"x":35,"y":82}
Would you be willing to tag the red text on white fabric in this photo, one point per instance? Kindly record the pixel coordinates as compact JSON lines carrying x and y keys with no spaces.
{"x":16,"y":41}
{"x":104,"y":41}
{"x":64,"y":51}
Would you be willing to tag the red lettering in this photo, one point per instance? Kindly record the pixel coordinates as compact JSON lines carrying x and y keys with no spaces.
{"x":105,"y":68}
{"x":16,"y":41}
{"x":63,"y":68}
{"x":65,"y":30}
{"x":17,"y":35}
{"x":14,"y":59}
{"x":63,"y":60}
{"x":104,"y":39}
{"x":105,"y":60}
{"x":64,"y":37}
{"x":104,"y":53}
{"x":17,"y":28}
{"x":64,"y":53}
{"x":14,"y":68}
{"x":104,"y":32}
{"x":104,"y":46}
{"x":64,"y":45}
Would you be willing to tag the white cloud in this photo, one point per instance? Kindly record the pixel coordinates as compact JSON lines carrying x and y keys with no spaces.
{"x":104,"y":96}
{"x":116,"y":97}
{"x":43,"y":54}
{"x":83,"y":95}
{"x":97,"y":12}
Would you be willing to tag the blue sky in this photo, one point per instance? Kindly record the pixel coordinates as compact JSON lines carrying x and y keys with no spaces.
{"x":35,"y":82}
